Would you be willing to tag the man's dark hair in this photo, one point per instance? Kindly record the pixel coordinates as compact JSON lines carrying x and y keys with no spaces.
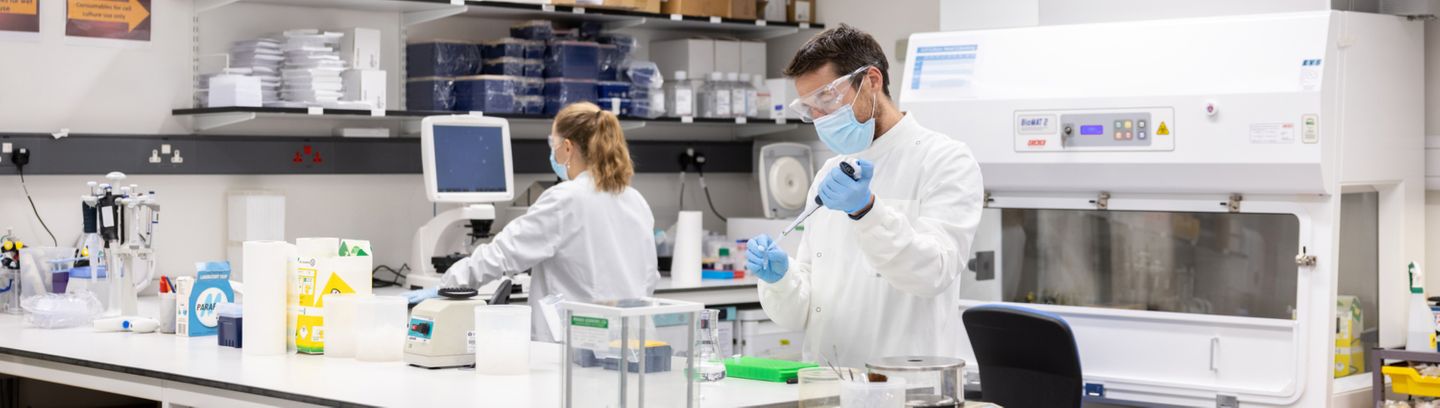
{"x":845,"y":47}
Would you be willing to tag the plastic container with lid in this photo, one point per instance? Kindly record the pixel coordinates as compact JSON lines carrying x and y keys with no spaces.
{"x":612,"y":89}
{"x":442,"y":58}
{"x":533,"y":68}
{"x":714,"y":99}
{"x":562,"y":91}
{"x":573,"y":59}
{"x":933,"y":381}
{"x":680,"y":96}
{"x":230,"y":320}
{"x":609,"y":60}
{"x":530,"y":104}
{"x":504,"y":66}
{"x":504,"y":47}
{"x":533,"y":30}
{"x":430,"y":94}
{"x":535,"y":50}
{"x":532,"y":86}
{"x":485,"y":93}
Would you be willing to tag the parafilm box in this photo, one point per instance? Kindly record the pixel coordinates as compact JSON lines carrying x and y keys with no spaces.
{"x":196,"y":301}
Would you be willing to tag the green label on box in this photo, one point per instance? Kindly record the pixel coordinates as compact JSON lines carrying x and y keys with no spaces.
{"x":584,"y":321}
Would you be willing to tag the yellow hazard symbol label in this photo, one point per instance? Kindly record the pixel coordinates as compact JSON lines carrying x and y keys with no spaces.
{"x":1163,"y":131}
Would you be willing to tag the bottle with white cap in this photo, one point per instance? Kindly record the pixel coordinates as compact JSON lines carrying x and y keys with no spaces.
{"x":715,"y":97}
{"x":737,"y":94}
{"x":680,"y":96}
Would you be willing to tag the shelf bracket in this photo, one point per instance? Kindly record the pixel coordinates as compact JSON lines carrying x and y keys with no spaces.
{"x":757,"y":130}
{"x":202,"y":6}
{"x":425,"y":16}
{"x":623,"y":24}
{"x":217,"y":120}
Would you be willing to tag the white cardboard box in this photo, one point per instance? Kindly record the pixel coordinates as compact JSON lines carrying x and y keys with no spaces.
{"x":360,"y":48}
{"x":752,"y":58}
{"x":727,"y":56}
{"x":233,"y":90}
{"x":782,"y":91}
{"x":365,"y":85}
{"x":694,"y":56}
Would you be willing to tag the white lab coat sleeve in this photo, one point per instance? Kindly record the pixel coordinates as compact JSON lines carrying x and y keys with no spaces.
{"x":527,"y":240}
{"x":924,"y":254}
{"x":787,"y":301}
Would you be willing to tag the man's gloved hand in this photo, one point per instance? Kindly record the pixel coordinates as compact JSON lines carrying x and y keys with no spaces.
{"x":841,"y":193}
{"x":765,"y":259}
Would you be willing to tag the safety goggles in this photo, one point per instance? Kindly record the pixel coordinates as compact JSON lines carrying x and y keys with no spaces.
{"x":828,"y":98}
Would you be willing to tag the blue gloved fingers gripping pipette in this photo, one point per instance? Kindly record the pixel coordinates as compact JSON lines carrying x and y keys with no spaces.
{"x":851,"y":167}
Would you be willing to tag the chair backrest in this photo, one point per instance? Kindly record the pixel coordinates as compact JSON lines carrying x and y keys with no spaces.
{"x":1027,"y":358}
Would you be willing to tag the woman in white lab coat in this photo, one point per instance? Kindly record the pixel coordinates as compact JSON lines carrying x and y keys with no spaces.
{"x":588,"y":238}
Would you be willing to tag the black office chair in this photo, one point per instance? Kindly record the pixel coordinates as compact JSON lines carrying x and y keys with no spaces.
{"x":1027,"y":358}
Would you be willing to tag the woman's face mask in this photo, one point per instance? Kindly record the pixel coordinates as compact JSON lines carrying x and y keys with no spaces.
{"x":560,"y":170}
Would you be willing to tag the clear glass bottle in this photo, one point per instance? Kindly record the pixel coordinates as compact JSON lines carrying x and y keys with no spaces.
{"x":710,"y":365}
{"x":764,"y":103}
{"x":715,"y":97}
{"x":752,"y":95}
{"x":737,"y":94}
{"x":680,"y":96}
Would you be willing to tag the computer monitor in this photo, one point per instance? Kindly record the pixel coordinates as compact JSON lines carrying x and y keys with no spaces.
{"x":466,"y":159}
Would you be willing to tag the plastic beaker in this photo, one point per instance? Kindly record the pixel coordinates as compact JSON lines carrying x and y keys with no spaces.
{"x":341,"y":323}
{"x":859,"y":394}
{"x":380,"y":329}
{"x":502,"y":339}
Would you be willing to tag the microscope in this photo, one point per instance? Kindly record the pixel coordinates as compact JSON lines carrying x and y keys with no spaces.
{"x":466,"y":160}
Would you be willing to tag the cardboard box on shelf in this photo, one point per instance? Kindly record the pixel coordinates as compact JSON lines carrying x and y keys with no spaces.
{"x":365,"y":85}
{"x":800,"y":11}
{"x":694,"y":56}
{"x":702,"y":8}
{"x":752,"y":58}
{"x":727,"y":56}
{"x":743,"y":9}
{"x":360,"y":48}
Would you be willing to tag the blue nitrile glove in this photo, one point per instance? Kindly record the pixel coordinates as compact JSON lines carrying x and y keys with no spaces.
{"x":765,"y":259}
{"x":419,"y":295}
{"x":842,"y":193}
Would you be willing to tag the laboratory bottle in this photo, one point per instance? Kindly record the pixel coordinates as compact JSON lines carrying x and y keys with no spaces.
{"x":737,"y":94}
{"x":752,"y":93}
{"x":710,"y":366}
{"x":680,"y":96}
{"x":763,"y":101}
{"x":1420,"y":334}
{"x":715,"y":97}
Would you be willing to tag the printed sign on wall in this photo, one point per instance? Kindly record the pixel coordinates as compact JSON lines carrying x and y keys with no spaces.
{"x":113,"y":19}
{"x":20,"y":15}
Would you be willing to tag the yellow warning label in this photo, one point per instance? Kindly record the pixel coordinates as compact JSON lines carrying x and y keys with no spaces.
{"x":1163,"y":131}
{"x":334,"y":285}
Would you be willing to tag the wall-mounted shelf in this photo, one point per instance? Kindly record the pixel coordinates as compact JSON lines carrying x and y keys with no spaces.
{"x":523,"y":126}
{"x":420,"y":11}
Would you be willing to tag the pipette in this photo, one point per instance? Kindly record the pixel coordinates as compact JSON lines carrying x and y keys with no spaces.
{"x":851,"y":168}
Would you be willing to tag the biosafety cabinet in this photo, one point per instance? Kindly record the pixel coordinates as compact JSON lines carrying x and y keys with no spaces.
{"x":1191,"y":195}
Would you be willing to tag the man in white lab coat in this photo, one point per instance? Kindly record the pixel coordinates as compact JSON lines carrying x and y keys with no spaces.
{"x":878,"y":269}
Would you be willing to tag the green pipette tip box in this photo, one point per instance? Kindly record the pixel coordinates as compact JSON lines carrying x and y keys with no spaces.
{"x":764,"y":369}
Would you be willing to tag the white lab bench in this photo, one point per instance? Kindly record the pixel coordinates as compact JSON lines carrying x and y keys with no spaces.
{"x":710,"y":292}
{"x":181,"y":371}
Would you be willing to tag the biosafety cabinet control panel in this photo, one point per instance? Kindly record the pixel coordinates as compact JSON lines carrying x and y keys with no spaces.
{"x":1138,"y":129}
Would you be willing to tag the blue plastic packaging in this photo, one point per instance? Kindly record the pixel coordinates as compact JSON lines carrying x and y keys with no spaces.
{"x":535,"y":50}
{"x":562,"y":91}
{"x":231,"y":319}
{"x":609,"y":60}
{"x":533,"y":30}
{"x":485,"y":93}
{"x":534,"y":68}
{"x":643,"y":73}
{"x":504,"y":47}
{"x":530,"y":104}
{"x":504,"y":66}
{"x":624,"y":43}
{"x":442,"y":58}
{"x":573,"y":59}
{"x":612,"y":89}
{"x":430,"y":94}
{"x":531,"y":86}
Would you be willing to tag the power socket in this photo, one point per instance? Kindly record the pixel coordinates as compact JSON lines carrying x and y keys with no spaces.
{"x":20,"y":157}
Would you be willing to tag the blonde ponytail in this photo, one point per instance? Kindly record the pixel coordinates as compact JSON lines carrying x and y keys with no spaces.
{"x":598,"y":135}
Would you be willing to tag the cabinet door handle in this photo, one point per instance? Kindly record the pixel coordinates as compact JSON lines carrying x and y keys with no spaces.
{"x":1214,"y":343}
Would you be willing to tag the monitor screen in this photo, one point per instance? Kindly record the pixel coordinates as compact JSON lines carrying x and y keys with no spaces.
{"x":469,"y":159}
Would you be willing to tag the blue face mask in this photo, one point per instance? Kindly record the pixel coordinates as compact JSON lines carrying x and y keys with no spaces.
{"x":559,"y":169}
{"x":843,"y":133}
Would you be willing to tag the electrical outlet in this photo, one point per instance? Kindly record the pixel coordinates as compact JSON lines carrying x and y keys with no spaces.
{"x":154,"y":156}
{"x":175,"y":158}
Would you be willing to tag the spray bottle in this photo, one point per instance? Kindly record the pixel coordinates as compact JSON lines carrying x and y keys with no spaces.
{"x":1420,"y":328}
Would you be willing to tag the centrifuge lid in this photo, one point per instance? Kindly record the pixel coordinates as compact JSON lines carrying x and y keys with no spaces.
{"x":916,"y":363}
